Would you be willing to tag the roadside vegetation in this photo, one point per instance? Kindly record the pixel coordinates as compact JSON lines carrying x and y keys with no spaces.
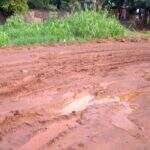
{"x":81,"y":25}
{"x":87,"y":20}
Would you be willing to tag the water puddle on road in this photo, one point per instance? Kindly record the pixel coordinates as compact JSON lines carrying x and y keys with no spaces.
{"x":83,"y":102}
{"x":78,"y":105}
{"x":119,"y":118}
{"x":106,"y":100}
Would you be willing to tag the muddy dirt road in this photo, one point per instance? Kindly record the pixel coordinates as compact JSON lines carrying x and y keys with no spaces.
{"x":93,"y":95}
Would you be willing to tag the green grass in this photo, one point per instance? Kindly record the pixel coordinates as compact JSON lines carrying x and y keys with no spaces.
{"x":80,"y":26}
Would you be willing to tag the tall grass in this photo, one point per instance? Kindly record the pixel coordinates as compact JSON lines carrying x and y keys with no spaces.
{"x":81,"y":25}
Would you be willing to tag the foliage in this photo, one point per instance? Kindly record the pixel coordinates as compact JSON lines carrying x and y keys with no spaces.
{"x":47,"y":4}
{"x":40,"y":4}
{"x":14,"y":6}
{"x":81,"y":25}
{"x":4,"y":39}
{"x":20,"y":6}
{"x":130,"y":3}
{"x":14,"y":22}
{"x":142,"y":2}
{"x":90,"y":24}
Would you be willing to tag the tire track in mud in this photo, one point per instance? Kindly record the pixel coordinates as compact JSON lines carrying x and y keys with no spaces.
{"x":74,"y":65}
{"x":50,"y":135}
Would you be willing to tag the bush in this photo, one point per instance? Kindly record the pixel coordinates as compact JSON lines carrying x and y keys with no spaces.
{"x":14,"y":21}
{"x":142,"y":3}
{"x":40,"y":4}
{"x":4,"y":39}
{"x":90,"y":24}
{"x":14,"y":6}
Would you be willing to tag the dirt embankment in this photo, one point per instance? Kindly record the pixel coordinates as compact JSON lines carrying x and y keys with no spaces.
{"x":78,"y":96}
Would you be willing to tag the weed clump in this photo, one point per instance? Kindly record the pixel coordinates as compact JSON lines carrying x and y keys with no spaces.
{"x":4,"y":38}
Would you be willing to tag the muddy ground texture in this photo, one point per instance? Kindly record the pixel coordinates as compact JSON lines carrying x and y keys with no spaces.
{"x":94,"y":95}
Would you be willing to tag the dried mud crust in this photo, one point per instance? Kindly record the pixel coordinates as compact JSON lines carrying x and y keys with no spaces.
{"x":100,"y":84}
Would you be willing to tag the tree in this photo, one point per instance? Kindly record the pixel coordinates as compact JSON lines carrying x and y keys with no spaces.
{"x":130,"y":3}
{"x":146,"y":3}
{"x":40,"y":4}
{"x":14,"y":6}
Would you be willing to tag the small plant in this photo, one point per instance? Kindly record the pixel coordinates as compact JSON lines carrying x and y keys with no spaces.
{"x":4,"y":39}
{"x":15,"y":21}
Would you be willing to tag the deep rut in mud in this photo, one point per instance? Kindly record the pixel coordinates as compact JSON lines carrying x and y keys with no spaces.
{"x":92,"y":95}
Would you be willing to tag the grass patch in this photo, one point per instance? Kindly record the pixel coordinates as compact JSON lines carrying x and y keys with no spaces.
{"x":81,"y":25}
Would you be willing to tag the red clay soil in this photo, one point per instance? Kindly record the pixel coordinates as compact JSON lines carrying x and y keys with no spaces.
{"x":93,"y":95}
